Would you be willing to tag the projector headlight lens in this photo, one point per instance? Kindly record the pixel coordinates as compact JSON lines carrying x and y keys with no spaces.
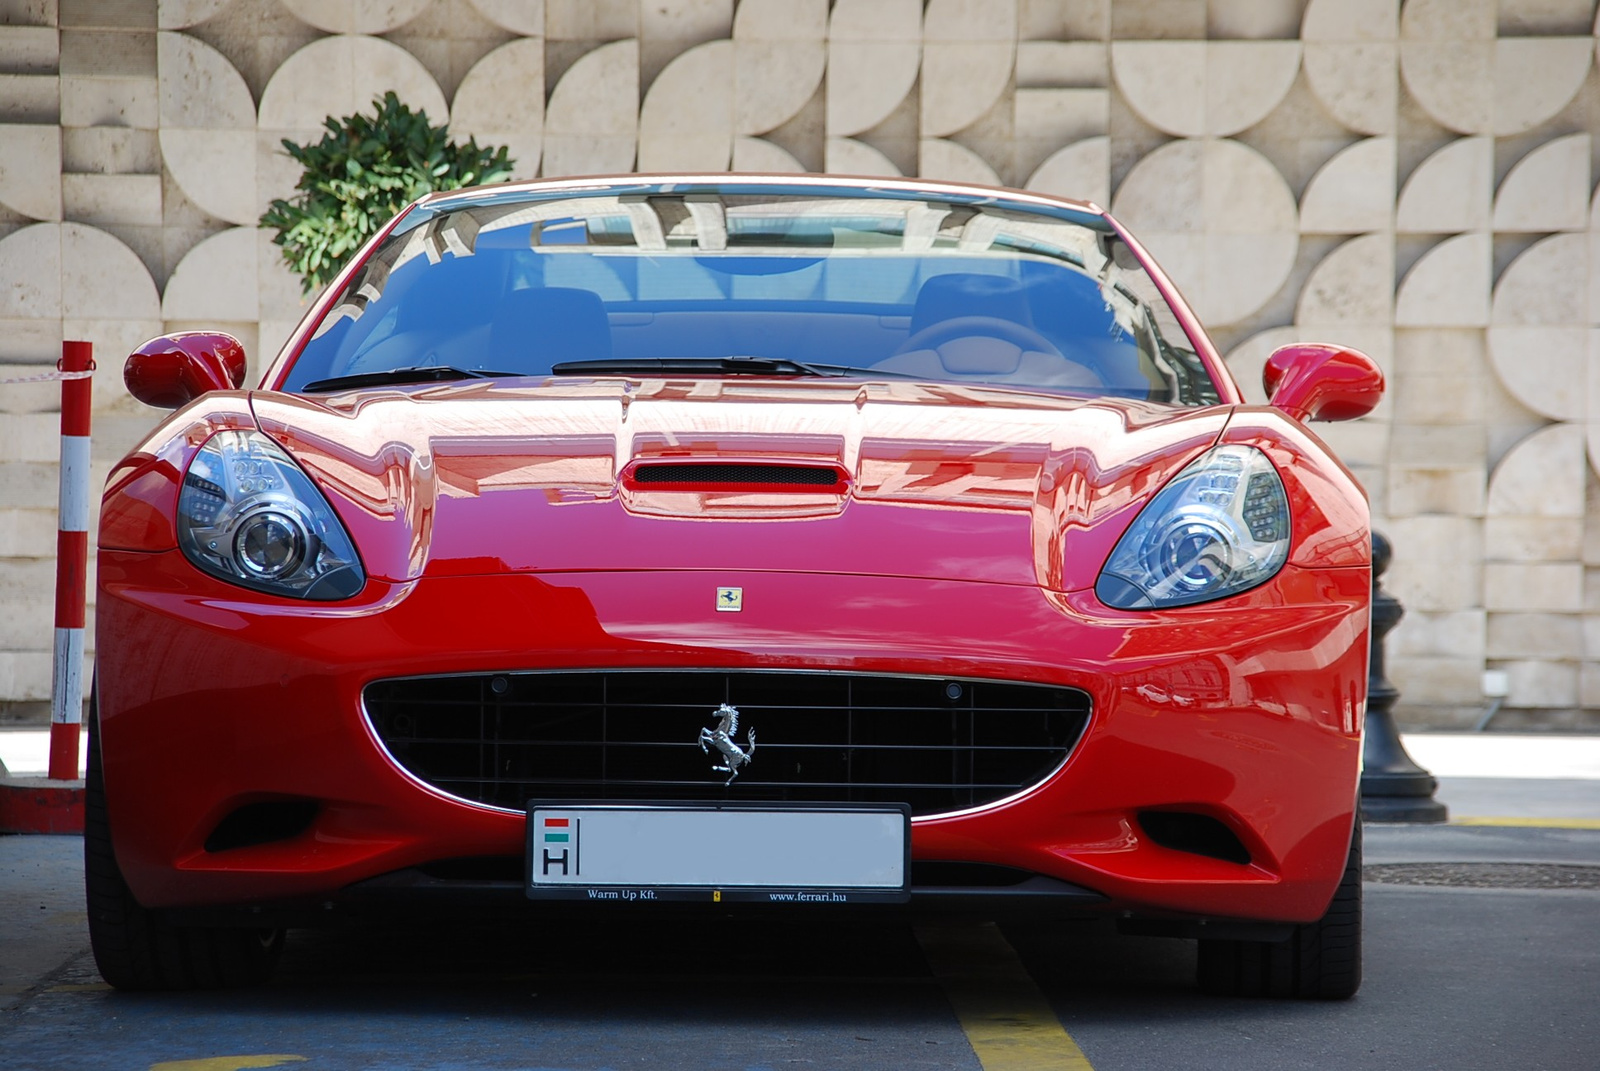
{"x":1220,"y":527}
{"x":249,"y":515}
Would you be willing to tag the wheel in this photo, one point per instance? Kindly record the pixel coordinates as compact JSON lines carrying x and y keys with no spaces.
{"x":134,"y":947}
{"x":1322,"y":960}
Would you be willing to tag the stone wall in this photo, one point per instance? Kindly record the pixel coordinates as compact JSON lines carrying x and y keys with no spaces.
{"x":1414,"y":180}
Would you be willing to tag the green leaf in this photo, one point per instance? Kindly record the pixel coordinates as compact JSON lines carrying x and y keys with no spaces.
{"x":359,"y":174}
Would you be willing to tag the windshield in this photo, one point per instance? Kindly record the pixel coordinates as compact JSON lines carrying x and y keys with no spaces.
{"x":900,"y":286}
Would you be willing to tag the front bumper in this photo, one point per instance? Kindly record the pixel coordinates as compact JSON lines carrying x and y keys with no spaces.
{"x":1246,"y":711}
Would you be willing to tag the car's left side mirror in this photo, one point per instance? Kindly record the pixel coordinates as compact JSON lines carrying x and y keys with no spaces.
{"x":174,"y":370}
{"x":1319,"y":381}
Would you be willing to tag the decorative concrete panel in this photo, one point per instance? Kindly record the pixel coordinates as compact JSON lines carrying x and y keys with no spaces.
{"x":1437,"y":581}
{"x":1412,"y":179}
{"x":30,"y":169}
{"x":518,"y":16}
{"x":1200,"y":88}
{"x":967,"y":51}
{"x":1351,"y":285}
{"x":1542,"y":636}
{"x":1470,"y":81}
{"x":343,"y":74}
{"x":1539,"y":335}
{"x":1353,"y":192}
{"x":756,"y":154}
{"x":1449,"y":286}
{"x":1461,"y":634}
{"x":1352,"y":61}
{"x":216,"y":280}
{"x":1547,"y":190}
{"x":686,"y":123}
{"x":592,"y":120}
{"x":847,"y":156}
{"x":182,"y":14}
{"x":1450,"y":191}
{"x":356,"y":16}
{"x":874,"y":51}
{"x":954,"y":161}
{"x":1081,"y":170}
{"x":780,"y":55}
{"x":501,"y":102}
{"x":1205,"y":207}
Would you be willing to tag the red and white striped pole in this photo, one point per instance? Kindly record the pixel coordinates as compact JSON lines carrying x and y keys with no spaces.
{"x":72,"y":561}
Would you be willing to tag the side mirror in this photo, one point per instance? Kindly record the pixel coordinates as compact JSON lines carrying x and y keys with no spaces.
{"x":1319,"y":381}
{"x":173,"y":370}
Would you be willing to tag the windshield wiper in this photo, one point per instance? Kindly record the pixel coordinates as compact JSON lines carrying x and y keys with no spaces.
{"x":707,"y":366}
{"x":723,"y":366}
{"x":432,"y":373}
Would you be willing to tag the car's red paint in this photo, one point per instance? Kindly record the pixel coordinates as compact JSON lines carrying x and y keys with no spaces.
{"x":174,"y":370}
{"x":1183,"y":701}
{"x":499,"y":532}
{"x":1318,"y":381}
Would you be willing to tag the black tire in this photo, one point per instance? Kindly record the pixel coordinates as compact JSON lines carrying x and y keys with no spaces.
{"x":1321,"y":961}
{"x":134,"y":947}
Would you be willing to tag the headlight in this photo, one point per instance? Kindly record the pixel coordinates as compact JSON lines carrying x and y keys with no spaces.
{"x":248,"y":514}
{"x":1219,"y":528}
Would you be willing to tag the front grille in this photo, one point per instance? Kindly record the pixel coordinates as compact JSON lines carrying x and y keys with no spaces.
{"x":720,"y":474}
{"x":937,"y":744}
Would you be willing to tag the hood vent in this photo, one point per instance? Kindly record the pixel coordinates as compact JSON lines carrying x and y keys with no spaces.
{"x":735,"y":476}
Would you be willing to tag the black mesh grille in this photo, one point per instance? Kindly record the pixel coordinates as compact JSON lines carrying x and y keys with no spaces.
{"x":937,"y":744}
{"x":711,"y":474}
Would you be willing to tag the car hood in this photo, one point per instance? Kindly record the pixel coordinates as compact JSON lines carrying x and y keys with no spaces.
{"x":934,"y":480}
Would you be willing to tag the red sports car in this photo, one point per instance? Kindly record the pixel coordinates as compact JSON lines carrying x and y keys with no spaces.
{"x":712,"y":543}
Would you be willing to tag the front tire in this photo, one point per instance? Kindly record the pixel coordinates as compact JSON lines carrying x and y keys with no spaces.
{"x":1320,"y":961}
{"x":133,"y":946}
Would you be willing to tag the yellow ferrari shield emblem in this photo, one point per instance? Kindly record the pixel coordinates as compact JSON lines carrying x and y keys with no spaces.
{"x":730,"y":598}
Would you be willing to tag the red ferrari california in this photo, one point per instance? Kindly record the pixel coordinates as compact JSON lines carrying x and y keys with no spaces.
{"x":730,"y":543}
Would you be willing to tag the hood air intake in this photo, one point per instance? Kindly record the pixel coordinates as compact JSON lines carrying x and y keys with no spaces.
{"x":740,"y":475}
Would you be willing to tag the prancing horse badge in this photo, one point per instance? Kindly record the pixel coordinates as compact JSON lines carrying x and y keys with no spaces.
{"x":730,"y":599}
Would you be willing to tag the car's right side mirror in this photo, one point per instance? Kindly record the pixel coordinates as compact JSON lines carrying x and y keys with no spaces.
{"x":1321,"y":381}
{"x":174,"y":370}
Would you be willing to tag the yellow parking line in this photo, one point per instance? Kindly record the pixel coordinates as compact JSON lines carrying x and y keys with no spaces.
{"x":1008,"y":1022}
{"x":1534,"y":823}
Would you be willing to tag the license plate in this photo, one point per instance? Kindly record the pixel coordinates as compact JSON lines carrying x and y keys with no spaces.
{"x":749,"y":852}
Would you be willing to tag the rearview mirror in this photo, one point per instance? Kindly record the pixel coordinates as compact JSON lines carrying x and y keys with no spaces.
{"x":1320,"y":381}
{"x":174,"y":370}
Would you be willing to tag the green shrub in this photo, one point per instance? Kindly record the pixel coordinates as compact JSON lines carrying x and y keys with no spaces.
{"x":363,"y":171}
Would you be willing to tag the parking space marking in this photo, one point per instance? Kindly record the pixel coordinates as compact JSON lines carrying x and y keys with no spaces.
{"x":1531,"y":823}
{"x":228,"y":1063}
{"x":1007,"y":1020}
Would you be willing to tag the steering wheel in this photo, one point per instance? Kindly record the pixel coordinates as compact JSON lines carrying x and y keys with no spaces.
{"x":957,"y":327}
{"x":937,"y":334}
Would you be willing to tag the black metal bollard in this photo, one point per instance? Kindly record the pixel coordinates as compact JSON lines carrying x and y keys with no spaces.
{"x":1393,"y":787}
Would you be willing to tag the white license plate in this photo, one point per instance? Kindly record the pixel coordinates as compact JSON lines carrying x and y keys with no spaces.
{"x":777,"y":854}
